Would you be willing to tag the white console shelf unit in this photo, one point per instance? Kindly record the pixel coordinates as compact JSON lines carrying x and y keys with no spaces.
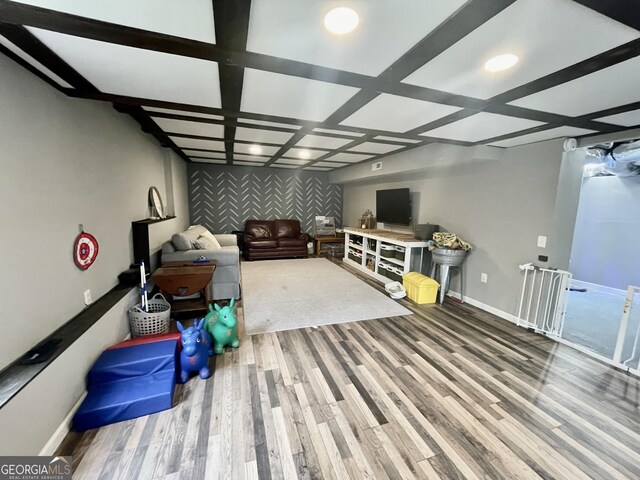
{"x":414,"y":250}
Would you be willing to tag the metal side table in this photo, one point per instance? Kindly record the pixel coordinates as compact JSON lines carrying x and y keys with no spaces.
{"x":442,"y":260}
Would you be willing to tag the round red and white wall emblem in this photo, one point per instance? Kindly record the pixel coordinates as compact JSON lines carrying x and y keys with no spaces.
{"x":85,"y":250}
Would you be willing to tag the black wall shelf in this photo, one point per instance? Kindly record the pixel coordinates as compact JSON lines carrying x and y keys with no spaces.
{"x":140,"y":231}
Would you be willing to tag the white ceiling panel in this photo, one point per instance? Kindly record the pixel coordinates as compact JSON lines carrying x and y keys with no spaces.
{"x":295,"y":30}
{"x":396,"y":139}
{"x":291,"y":161}
{"x":170,"y":125}
{"x":611,"y":87}
{"x":137,"y":73}
{"x":164,"y":16}
{"x":373,"y":147}
{"x":286,"y":96}
{"x":397,"y":114}
{"x":330,"y":164}
{"x":197,"y":143}
{"x":259,"y":135}
{"x":317,"y":169}
{"x":250,"y":158}
{"x":305,"y":154}
{"x":569,"y":37}
{"x":319,"y":141}
{"x":33,"y":62}
{"x":347,"y":157}
{"x":481,"y":126}
{"x":244,"y":148}
{"x":195,"y":153}
{"x":268,"y":124}
{"x":627,"y":119}
{"x":185,"y":113}
{"x":279,"y":165}
{"x":201,"y":160}
{"x":544,"y":135}
{"x":248,"y":164}
{"x":338,"y":132}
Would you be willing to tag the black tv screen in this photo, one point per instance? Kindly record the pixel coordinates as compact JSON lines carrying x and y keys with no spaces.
{"x":393,"y":206}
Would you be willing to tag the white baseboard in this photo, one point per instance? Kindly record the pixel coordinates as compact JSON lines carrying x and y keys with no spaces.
{"x":483,"y":306}
{"x":63,"y":429}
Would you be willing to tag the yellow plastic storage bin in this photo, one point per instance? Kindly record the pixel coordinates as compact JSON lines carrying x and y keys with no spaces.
{"x":420,"y":288}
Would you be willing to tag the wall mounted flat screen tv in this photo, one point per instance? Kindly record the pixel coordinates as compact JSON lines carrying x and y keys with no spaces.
{"x":393,"y":206}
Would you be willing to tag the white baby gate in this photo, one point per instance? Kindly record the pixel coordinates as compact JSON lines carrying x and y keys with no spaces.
{"x":543,"y":300}
{"x":623,"y":334}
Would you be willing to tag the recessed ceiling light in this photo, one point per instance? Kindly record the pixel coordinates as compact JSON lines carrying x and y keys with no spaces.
{"x":341,"y":20}
{"x":255,"y":149}
{"x":304,"y":154}
{"x":501,"y":62}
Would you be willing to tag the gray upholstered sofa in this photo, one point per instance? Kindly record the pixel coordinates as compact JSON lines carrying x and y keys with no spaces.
{"x":226,"y":278}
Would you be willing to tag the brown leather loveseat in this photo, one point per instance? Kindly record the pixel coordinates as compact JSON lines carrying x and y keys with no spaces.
{"x":274,"y":239}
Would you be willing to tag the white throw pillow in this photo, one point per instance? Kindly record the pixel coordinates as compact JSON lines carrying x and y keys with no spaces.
{"x":209,"y":240}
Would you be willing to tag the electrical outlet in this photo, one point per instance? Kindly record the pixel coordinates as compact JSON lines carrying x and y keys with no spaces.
{"x":542,"y":241}
{"x":483,"y":277}
{"x":87,"y":297}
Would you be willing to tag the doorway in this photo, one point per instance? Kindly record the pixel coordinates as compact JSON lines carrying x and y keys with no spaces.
{"x":605,"y":263}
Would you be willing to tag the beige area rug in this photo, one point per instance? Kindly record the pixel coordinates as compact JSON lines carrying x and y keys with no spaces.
{"x":288,"y":294}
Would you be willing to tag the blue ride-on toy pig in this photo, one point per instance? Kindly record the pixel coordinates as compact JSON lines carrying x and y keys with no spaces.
{"x":196,"y":349}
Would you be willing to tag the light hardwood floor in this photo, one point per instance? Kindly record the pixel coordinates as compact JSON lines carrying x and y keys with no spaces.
{"x":448,"y":392}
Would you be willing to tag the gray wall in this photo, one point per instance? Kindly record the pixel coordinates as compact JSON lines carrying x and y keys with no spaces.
{"x":223,"y":198}
{"x":65,"y":162}
{"x":498,"y":200}
{"x":607,"y":232}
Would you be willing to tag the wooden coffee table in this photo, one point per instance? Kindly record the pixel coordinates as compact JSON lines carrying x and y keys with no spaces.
{"x":183,"y":279}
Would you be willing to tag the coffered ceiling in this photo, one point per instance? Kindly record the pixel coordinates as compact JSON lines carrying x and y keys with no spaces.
{"x":263,"y":83}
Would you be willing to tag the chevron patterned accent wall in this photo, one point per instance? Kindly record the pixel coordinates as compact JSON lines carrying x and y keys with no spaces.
{"x":222,"y":198}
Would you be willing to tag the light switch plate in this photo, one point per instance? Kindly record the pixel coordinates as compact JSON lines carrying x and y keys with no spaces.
{"x":542,"y":241}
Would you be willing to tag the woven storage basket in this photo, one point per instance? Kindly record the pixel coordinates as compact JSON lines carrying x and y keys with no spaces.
{"x":156,"y":320}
